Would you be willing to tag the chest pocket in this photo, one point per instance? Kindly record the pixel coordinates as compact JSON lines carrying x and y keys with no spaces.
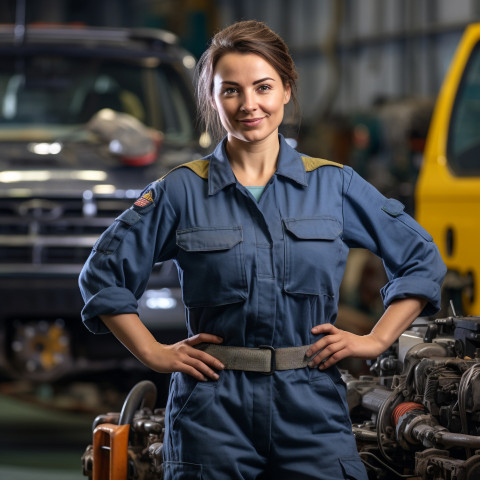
{"x":312,"y":255}
{"x":212,"y":265}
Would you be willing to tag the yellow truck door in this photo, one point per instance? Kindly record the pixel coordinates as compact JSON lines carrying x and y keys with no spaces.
{"x":448,"y":188}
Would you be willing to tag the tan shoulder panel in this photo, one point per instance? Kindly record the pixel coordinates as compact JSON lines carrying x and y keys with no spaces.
{"x":314,"y":163}
{"x":200,"y":167}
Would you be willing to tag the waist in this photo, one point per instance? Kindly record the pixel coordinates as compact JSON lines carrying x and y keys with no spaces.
{"x":263,"y":359}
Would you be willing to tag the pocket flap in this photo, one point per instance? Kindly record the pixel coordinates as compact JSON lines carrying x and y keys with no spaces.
{"x":181,"y":470}
{"x":393,"y":207}
{"x":130,"y":217}
{"x":209,"y":239}
{"x":352,"y":468}
{"x":317,"y":228}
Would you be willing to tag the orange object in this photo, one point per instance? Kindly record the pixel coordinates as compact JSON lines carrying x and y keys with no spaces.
{"x":110,"y":452}
{"x":403,"y":408}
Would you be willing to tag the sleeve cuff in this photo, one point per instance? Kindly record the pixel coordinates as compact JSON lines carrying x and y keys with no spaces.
{"x":109,"y":301}
{"x":406,"y":287}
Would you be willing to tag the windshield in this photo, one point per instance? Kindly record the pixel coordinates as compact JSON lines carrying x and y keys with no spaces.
{"x":463,"y":148}
{"x":52,"y":92}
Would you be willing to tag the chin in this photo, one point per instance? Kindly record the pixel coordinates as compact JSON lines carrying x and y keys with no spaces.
{"x":255,"y":136}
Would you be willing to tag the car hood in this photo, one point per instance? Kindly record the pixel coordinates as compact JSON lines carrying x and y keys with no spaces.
{"x":77,"y":168}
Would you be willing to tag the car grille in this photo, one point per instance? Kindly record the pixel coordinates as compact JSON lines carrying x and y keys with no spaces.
{"x":52,"y":235}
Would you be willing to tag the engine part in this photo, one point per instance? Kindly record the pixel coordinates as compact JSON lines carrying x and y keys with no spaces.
{"x":40,"y":349}
{"x":130,"y":442}
{"x":423,"y":418}
{"x":467,"y":337}
{"x":433,"y":464}
{"x":417,"y":416}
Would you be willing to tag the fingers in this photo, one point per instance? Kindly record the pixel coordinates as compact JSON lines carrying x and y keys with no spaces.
{"x":329,"y":355}
{"x":329,"y":332}
{"x":204,"y":338}
{"x":330,"y":349}
{"x":324,"y":328}
{"x":198,"y":369}
{"x":207,"y":359}
{"x":198,"y":363}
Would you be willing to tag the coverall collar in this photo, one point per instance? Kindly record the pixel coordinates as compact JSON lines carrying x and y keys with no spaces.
{"x":220,"y":174}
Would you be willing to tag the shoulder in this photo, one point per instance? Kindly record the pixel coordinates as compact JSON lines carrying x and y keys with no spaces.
{"x":199,"y":167}
{"x":311,"y":164}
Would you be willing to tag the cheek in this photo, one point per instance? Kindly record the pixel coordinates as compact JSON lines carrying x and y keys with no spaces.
{"x":278,"y":108}
{"x":224,"y":109}
{"x":276,"y":104}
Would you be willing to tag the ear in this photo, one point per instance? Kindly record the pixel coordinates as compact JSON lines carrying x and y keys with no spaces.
{"x":288,"y":93}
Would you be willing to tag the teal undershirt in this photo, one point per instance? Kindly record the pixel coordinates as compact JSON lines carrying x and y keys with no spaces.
{"x":256,"y":192}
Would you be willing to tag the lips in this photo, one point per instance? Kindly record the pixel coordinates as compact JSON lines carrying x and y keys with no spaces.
{"x":251,"y":122}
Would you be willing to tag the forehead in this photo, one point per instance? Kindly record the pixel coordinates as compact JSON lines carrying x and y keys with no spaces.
{"x":243,"y":66}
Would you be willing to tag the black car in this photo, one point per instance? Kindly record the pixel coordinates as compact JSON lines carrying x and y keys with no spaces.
{"x":88,"y":118}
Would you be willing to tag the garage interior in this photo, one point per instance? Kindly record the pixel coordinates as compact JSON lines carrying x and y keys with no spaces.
{"x":370,"y":75}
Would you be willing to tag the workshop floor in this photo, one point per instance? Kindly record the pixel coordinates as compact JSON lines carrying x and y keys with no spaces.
{"x":38,"y":443}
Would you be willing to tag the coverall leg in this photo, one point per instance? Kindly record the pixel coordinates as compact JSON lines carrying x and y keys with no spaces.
{"x":249,"y":426}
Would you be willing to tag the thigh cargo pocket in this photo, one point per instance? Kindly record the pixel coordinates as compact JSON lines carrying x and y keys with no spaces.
{"x":212,"y":265}
{"x":313,"y":256}
{"x":182,"y":471}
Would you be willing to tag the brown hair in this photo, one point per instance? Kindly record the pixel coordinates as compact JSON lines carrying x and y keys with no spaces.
{"x":248,"y":36}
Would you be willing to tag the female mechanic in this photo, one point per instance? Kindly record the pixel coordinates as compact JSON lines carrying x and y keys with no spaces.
{"x":260,"y":235}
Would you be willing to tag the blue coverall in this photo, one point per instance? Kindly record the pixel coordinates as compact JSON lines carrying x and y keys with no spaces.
{"x":259,"y":273}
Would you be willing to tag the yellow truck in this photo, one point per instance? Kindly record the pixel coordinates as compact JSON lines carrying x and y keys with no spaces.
{"x":447,"y":196}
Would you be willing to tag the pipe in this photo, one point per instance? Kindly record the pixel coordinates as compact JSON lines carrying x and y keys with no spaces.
{"x":450,"y":439}
{"x":363,"y":435}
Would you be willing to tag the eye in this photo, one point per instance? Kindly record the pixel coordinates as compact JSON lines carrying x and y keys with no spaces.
{"x":264,"y":88}
{"x":230,"y":91}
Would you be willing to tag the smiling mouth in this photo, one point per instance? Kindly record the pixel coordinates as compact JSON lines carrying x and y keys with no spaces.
{"x":251,"y":122}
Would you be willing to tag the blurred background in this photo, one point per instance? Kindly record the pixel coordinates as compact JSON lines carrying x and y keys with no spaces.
{"x":370,"y":73}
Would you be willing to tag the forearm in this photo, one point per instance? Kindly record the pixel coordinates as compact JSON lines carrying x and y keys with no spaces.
{"x":179,"y":357}
{"x":337,"y":344}
{"x":396,"y":319}
{"x":132,"y":333}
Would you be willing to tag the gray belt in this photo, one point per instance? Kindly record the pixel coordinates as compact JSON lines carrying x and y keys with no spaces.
{"x":263,"y":359}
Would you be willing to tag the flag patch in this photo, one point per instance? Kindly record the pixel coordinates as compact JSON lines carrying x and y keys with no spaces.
{"x":145,"y":200}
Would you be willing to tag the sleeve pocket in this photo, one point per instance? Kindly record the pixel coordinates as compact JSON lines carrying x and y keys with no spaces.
{"x":393,"y":207}
{"x":396,"y":209}
{"x":113,"y":236}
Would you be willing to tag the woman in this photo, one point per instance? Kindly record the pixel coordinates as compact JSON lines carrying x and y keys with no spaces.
{"x":260,"y":235}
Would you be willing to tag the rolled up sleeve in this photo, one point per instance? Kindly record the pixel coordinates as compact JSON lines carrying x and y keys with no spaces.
{"x":412,"y":261}
{"x":117,"y":271}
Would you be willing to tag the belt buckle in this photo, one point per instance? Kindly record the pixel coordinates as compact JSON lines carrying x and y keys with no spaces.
{"x":273,"y":361}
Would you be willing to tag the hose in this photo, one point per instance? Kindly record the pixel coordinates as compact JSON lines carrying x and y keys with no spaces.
{"x":142,"y":395}
{"x":467,"y":377}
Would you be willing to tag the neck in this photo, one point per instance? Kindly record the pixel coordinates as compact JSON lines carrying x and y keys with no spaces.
{"x":253,"y":163}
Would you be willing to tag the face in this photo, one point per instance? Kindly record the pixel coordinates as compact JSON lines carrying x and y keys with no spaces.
{"x":249,"y":97}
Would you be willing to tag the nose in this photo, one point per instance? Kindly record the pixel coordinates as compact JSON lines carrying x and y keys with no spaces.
{"x":248,"y":102}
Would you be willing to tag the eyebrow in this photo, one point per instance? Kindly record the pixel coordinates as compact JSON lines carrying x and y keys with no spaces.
{"x":230,"y":82}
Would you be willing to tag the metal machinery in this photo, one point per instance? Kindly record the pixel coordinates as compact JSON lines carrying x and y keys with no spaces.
{"x":416,"y":416}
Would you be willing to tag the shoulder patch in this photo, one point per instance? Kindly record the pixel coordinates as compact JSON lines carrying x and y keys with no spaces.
{"x":145,"y":200}
{"x":311,"y":163}
{"x":200,"y":167}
